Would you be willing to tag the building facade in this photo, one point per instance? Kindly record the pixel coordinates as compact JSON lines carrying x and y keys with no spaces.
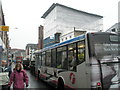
{"x":16,"y":53}
{"x":114,"y":29}
{"x":4,"y":40}
{"x":30,"y":49}
{"x":72,"y":34}
{"x":60,"y":20}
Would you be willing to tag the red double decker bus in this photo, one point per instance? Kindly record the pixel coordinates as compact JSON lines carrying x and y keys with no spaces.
{"x":19,"y":59}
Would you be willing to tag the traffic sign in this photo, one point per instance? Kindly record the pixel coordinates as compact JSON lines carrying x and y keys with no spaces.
{"x":4,"y":28}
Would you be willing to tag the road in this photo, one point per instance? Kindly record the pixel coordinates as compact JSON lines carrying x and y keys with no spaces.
{"x":37,"y":84}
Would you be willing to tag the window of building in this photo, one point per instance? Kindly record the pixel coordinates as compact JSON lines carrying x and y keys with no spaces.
{"x":70,"y":36}
{"x":66,"y":38}
{"x":113,"y":30}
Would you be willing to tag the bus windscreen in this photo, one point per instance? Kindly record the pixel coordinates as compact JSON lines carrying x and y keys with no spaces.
{"x":106,"y":46}
{"x":105,"y":60}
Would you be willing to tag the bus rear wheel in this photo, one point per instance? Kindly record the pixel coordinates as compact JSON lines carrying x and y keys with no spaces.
{"x":60,"y":84}
{"x":38,"y":75}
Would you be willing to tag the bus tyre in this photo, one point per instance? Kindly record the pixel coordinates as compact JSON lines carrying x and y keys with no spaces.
{"x":38,"y":75}
{"x":60,"y":84}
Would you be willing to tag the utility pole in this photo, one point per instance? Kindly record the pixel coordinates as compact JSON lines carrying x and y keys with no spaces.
{"x":119,"y":27}
{"x":12,"y":57}
{"x":7,"y":55}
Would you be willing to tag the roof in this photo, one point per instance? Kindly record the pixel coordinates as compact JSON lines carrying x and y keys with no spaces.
{"x":57,"y":4}
{"x":116,"y":25}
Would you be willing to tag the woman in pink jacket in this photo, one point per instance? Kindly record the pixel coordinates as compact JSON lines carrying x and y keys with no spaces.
{"x":18,"y":77}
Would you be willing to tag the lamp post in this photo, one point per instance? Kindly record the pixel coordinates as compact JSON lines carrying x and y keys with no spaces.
{"x":8,"y":42}
{"x":8,"y":49}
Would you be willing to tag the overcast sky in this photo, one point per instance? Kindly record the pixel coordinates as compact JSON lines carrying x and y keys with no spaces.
{"x":25,"y":15}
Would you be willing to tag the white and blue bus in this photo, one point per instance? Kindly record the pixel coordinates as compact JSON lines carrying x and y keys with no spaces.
{"x":88,"y":61}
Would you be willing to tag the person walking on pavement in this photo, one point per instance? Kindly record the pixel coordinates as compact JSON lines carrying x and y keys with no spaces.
{"x":18,"y":77}
{"x":4,"y":68}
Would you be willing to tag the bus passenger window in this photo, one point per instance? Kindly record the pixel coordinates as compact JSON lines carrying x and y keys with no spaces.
{"x":43,"y":59}
{"x":59,"y":57}
{"x":48,"y":58}
{"x":81,"y":52}
{"x":62,"y":58}
{"x":40,"y":60}
{"x":53,"y":58}
{"x":72,"y":56}
{"x":37,"y":60}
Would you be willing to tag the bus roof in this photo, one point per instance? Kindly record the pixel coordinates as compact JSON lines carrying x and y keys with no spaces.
{"x":81,"y":37}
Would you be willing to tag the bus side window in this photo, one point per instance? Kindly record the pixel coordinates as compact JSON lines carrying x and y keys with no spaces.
{"x":62,"y":58}
{"x":40,"y":60}
{"x":48,"y":58}
{"x":59,"y":57}
{"x":81,"y":52}
{"x":72,"y":56}
{"x":36,"y":59}
{"x":43,"y":58}
{"x":53,"y":58}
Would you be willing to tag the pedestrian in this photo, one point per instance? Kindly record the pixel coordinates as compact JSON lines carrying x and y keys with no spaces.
{"x":18,"y":78}
{"x":10,"y":68}
{"x":3,"y":69}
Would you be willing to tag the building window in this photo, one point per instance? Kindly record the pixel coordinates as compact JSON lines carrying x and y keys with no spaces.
{"x":70,"y":36}
{"x":66,"y":38}
{"x":62,"y":39}
{"x":113,"y":30}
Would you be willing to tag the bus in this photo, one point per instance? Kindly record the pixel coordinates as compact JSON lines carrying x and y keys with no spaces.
{"x":32,"y":63}
{"x":91,"y":60}
{"x":19,"y":59}
{"x":26,"y":63}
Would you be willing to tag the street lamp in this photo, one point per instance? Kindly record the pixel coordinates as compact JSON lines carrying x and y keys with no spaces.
{"x":9,"y":40}
{"x":12,"y":57}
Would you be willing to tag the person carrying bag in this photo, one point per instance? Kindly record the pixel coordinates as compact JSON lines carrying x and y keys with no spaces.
{"x":4,"y":75}
{"x":18,"y":77}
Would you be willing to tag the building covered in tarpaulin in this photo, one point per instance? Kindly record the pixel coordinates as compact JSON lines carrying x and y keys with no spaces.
{"x":62,"y":23}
